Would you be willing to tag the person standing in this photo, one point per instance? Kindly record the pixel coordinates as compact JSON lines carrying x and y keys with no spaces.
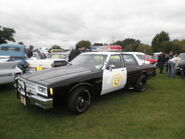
{"x":75,"y":52}
{"x":172,"y":64}
{"x":161,"y":62}
{"x":30,"y":51}
{"x":169,"y":56}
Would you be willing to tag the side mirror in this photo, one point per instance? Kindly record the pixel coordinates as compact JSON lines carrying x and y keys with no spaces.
{"x":110,"y":67}
{"x":69,"y":63}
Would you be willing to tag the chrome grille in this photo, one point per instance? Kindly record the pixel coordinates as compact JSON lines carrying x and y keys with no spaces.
{"x":30,"y":87}
{"x":21,"y":84}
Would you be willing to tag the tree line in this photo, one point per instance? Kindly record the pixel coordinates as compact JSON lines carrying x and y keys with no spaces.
{"x":160,"y":43}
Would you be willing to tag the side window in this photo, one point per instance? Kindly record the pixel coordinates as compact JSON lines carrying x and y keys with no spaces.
{"x":13,"y":49}
{"x":142,"y":57}
{"x":129,"y":61}
{"x":116,"y":61}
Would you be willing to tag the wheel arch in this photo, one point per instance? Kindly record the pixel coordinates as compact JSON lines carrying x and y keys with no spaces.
{"x":144,"y":73}
{"x":82,"y":85}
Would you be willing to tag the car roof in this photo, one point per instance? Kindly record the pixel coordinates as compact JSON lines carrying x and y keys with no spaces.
{"x":20,"y":53}
{"x":133,"y":53}
{"x":103,"y":53}
{"x":58,"y":53}
{"x":108,"y":53}
{"x":11,"y":45}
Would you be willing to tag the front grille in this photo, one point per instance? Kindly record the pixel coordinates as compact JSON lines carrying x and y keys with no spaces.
{"x":21,"y":84}
{"x":30,"y":87}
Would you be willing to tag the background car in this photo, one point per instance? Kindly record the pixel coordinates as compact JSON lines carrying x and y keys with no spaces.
{"x":181,"y":66}
{"x":14,"y":52}
{"x":8,"y":71}
{"x":156,"y":54}
{"x":151,"y":59}
{"x":55,"y":59}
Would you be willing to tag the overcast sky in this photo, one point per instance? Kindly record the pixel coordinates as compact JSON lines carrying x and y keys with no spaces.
{"x":65,"y":22}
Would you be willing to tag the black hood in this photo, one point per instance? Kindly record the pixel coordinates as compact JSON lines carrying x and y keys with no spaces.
{"x":50,"y":76}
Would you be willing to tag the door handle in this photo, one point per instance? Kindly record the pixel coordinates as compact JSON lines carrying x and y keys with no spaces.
{"x":122,"y":70}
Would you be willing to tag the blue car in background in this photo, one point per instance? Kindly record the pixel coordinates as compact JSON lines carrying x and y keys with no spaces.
{"x":14,"y":52}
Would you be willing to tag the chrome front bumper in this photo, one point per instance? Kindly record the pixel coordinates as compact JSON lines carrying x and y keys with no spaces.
{"x":45,"y":103}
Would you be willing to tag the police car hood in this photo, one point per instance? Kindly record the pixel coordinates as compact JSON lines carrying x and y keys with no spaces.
{"x":51,"y":76}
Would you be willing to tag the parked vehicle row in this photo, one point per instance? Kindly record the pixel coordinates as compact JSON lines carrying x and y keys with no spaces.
{"x":13,"y":61}
{"x":14,"y":52}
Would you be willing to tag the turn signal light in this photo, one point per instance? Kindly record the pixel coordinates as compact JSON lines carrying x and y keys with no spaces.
{"x":51,"y":91}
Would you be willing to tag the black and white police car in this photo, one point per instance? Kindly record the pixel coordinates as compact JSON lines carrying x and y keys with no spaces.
{"x":89,"y":75}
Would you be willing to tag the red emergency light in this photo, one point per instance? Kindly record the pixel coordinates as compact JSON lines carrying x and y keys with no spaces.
{"x":114,"y":47}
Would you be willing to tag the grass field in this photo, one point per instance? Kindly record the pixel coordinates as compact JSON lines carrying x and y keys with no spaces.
{"x":159,"y":112}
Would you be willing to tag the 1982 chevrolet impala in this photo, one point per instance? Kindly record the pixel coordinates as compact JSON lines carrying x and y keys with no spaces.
{"x":87,"y":76}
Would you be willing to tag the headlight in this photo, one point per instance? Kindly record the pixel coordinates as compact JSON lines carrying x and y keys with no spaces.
{"x":42,"y":90}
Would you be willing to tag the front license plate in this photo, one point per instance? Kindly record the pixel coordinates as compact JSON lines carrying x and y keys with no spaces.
{"x":23,"y":100}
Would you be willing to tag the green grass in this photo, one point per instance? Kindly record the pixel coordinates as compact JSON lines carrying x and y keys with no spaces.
{"x":159,"y":112}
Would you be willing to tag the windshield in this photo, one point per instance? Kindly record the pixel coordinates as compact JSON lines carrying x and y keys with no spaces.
{"x":90,"y":60}
{"x":57,"y":56}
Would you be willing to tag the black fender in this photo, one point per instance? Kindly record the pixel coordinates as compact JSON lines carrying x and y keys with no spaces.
{"x":149,"y":75}
{"x":145,"y":73}
{"x":79,"y":85}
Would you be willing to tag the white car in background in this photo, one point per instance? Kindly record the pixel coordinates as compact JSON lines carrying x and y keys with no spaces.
{"x":54,"y":59}
{"x":139,"y":56}
{"x":156,"y":54}
{"x":8,"y":70}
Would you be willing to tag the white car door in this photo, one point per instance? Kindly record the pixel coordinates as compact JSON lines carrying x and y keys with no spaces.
{"x":114,"y":78}
{"x":6,"y":76}
{"x":8,"y":71}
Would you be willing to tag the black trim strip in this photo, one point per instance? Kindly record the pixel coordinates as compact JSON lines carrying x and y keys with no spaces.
{"x":17,"y":92}
{"x":25,"y":93}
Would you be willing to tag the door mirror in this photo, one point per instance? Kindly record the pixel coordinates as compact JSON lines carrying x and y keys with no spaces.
{"x":110,"y":67}
{"x":69,"y":63}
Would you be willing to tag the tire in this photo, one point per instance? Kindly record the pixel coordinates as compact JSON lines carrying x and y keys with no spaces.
{"x":140,"y":85}
{"x":79,"y":100}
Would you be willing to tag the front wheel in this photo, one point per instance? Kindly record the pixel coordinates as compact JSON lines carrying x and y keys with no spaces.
{"x":79,"y":100}
{"x":140,"y":85}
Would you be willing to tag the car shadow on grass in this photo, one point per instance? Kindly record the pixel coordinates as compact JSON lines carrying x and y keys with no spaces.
{"x":5,"y":87}
{"x":115,"y":95}
{"x":63,"y":111}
